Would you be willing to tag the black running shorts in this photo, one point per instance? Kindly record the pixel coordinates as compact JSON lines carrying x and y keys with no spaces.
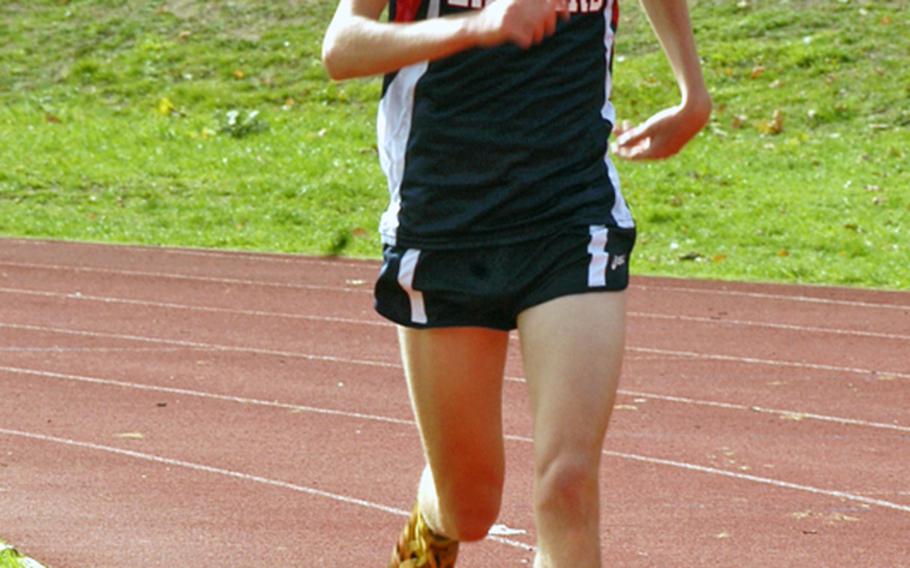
{"x":489,"y":287}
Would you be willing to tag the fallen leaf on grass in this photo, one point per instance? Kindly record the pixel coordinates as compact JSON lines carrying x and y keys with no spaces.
{"x":775,"y":126}
{"x":166,"y":106}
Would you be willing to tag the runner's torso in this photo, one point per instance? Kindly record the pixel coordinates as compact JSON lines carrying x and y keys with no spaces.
{"x":503,"y":144}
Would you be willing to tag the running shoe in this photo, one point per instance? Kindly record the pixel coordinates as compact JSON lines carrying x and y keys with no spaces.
{"x":419,"y":547}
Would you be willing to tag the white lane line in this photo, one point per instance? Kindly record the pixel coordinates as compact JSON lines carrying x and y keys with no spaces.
{"x":746,"y":477}
{"x":370,"y":265}
{"x":294,"y":259}
{"x":268,"y":257}
{"x":770,"y":296}
{"x":91,"y":349}
{"x":769,"y":325}
{"x":236,"y":475}
{"x":208,"y":469}
{"x":202,"y":394}
{"x":771,"y":362}
{"x":163,"y":275}
{"x":792,"y":414}
{"x":204,"y":346}
{"x":343,"y":360}
{"x":166,"y":276}
{"x":78,"y":296}
{"x":869,"y":373}
{"x":318,"y":410}
{"x":765,"y":480}
{"x":189,"y":307}
{"x":622,"y":455}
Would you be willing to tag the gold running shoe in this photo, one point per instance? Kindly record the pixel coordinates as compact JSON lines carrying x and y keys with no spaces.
{"x":419,"y":547}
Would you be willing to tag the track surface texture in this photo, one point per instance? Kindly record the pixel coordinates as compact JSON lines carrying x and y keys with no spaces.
{"x":163,"y":407}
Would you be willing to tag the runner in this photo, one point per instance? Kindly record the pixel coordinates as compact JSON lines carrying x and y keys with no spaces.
{"x":506,"y":213}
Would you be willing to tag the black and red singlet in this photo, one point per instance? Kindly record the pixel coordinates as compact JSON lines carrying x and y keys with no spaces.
{"x":500,"y":145}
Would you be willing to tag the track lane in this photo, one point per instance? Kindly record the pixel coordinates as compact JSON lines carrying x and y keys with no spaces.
{"x":661,"y":371}
{"x":703,"y":503}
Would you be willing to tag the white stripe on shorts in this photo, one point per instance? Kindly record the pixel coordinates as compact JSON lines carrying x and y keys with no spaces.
{"x":406,"y":279}
{"x":597,"y":248}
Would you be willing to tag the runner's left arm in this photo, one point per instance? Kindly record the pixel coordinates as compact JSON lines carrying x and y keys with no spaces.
{"x":665,"y":133}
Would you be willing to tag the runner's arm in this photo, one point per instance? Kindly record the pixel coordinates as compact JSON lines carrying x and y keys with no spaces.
{"x":665,"y":133}
{"x":357,"y":44}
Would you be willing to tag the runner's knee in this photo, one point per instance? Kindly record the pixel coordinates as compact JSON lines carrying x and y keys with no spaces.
{"x":471,"y":509}
{"x":566,"y":484}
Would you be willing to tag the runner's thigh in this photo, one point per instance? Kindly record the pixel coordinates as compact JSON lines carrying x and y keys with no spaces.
{"x":455,"y":380}
{"x":572,"y":348}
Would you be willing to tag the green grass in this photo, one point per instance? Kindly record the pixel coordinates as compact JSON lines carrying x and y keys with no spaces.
{"x":11,"y":558}
{"x":114,"y":124}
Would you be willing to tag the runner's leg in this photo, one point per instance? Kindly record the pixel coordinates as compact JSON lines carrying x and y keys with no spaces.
{"x":572,"y":348}
{"x":455,"y":381}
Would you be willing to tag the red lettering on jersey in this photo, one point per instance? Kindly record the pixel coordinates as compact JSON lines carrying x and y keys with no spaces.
{"x":476,"y":4}
{"x":406,"y":10}
{"x":585,"y":6}
{"x":575,"y":6}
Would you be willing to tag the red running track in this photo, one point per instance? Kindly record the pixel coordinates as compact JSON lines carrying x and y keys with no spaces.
{"x":163,"y":407}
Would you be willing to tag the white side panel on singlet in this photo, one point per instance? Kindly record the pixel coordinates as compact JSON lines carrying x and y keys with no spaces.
{"x":393,"y":125}
{"x":609,"y":112}
{"x":620,"y":211}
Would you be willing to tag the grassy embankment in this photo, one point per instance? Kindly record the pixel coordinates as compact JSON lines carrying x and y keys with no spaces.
{"x":115,"y":126}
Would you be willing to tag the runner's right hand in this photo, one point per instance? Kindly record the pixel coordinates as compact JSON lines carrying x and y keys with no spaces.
{"x":522,"y":22}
